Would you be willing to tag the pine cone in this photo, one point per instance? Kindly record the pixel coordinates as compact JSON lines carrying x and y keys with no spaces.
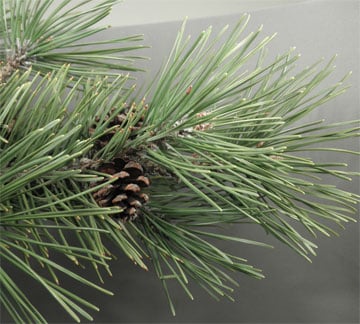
{"x":126,"y":191}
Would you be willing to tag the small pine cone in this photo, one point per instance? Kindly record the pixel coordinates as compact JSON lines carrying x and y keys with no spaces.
{"x":120,"y":121}
{"x":126,"y":191}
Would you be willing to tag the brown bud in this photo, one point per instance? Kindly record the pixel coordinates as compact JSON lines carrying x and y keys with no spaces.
{"x":144,"y":197}
{"x":131,"y":211}
{"x":143,"y":181}
{"x":103,"y":202}
{"x":132,"y":187}
{"x":133,"y":165}
{"x":135,"y":169}
{"x":103,"y":191}
{"x":120,"y":118}
{"x":121,"y":174}
{"x":134,"y":202}
{"x":119,"y":198}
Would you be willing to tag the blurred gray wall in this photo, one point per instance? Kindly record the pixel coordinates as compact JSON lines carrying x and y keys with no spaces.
{"x":294,"y":291}
{"x":140,"y":12}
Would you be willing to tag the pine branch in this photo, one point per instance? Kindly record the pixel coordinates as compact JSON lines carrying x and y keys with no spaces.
{"x":214,"y":141}
{"x":45,"y":35}
{"x":225,"y":135}
{"x":46,"y":195}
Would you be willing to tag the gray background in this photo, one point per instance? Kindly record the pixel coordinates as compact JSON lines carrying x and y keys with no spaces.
{"x":294,"y":291}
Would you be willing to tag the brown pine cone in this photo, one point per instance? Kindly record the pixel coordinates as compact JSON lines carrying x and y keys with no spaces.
{"x":126,"y":191}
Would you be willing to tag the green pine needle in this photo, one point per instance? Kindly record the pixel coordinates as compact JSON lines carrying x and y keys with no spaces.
{"x":45,"y":35}
{"x":221,"y":139}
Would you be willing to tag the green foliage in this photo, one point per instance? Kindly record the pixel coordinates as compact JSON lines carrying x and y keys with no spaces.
{"x":45,"y":195}
{"x":45,"y":35}
{"x":220,"y":144}
{"x":230,"y":139}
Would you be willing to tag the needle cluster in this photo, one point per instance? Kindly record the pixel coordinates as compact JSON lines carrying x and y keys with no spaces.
{"x":214,"y":140}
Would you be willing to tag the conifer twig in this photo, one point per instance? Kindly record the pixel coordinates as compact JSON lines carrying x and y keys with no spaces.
{"x":213,"y":141}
